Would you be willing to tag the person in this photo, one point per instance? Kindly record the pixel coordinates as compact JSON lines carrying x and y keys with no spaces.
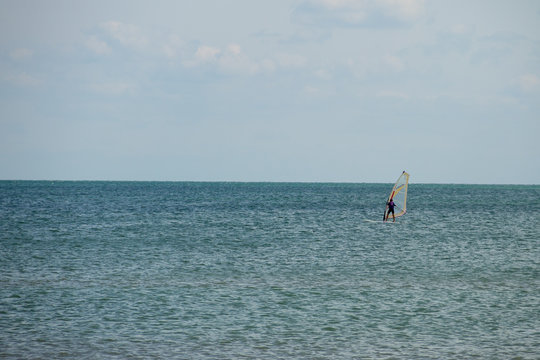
{"x":390,"y":206}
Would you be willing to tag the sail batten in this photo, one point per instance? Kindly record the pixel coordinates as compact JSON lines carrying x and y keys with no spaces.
{"x":399,"y":194}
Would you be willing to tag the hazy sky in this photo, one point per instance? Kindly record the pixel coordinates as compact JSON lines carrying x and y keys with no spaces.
{"x":286,"y":90}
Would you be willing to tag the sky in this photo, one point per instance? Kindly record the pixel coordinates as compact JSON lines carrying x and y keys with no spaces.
{"x":284,"y":90}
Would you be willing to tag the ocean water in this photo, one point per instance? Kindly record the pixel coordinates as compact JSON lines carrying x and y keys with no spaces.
{"x":138,"y":270}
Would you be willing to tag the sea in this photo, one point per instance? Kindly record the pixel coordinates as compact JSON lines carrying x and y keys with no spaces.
{"x":219,"y":270}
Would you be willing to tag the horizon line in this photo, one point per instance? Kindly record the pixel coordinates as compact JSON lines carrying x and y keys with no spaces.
{"x":264,"y":182}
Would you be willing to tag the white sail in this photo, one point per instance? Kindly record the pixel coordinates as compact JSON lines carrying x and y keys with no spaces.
{"x":399,"y":194}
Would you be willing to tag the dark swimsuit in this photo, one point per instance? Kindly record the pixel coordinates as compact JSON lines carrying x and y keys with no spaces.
{"x":391,"y":207}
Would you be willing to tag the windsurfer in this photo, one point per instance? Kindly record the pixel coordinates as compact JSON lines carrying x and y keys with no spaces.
{"x":390,"y":206}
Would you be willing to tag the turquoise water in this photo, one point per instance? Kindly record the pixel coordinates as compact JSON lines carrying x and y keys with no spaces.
{"x":267,"y":271}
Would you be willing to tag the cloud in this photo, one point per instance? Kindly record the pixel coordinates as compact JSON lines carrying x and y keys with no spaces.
{"x":391,"y":94}
{"x":405,"y":10}
{"x":234,"y":49}
{"x":205,"y":54}
{"x":323,"y":74}
{"x":364,"y":66}
{"x":329,"y":14}
{"x":461,"y":29}
{"x":326,"y":91}
{"x":290,"y":60}
{"x":529,"y":82}
{"x":21,"y":79}
{"x":21,"y":54}
{"x":231,"y":60}
{"x":173,"y":47}
{"x":114,"y":88}
{"x":127,"y":34}
{"x":394,"y":62}
{"x":97,"y":46}
{"x":312,"y":90}
{"x":358,"y":13}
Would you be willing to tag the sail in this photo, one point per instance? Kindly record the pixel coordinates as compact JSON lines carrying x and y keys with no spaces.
{"x":399,"y":194}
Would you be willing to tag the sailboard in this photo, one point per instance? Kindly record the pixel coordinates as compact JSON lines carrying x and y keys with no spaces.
{"x":399,"y":194}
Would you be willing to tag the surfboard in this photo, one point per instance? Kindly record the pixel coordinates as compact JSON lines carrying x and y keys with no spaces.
{"x":379,"y":221}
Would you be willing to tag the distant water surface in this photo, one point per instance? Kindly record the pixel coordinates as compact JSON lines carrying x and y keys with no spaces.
{"x":133,"y":270}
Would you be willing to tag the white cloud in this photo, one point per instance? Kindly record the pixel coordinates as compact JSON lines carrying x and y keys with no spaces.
{"x":290,"y":60}
{"x":363,"y":66}
{"x":529,"y":82}
{"x":231,"y":60}
{"x":394,"y":62}
{"x":206,"y":54}
{"x":406,"y":10}
{"x":391,"y":94}
{"x":21,"y":54}
{"x":339,"y":3}
{"x":173,"y":47}
{"x":234,"y":49}
{"x":235,"y":61}
{"x":97,"y":46}
{"x":127,"y":34}
{"x":353,"y":13}
{"x":323,"y":74}
{"x":22,"y":79}
{"x":114,"y":88}
{"x":267,"y":65}
{"x":312,"y":90}
{"x":460,"y":29}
